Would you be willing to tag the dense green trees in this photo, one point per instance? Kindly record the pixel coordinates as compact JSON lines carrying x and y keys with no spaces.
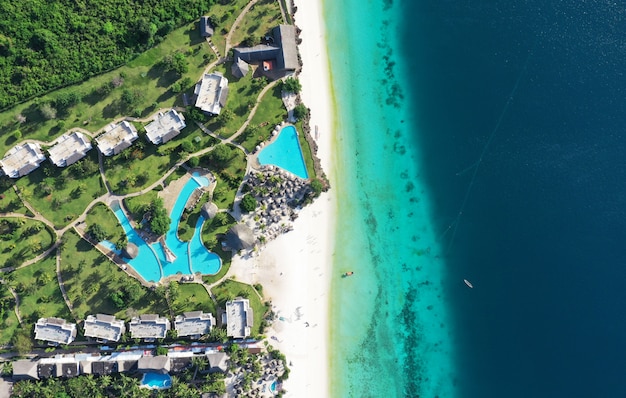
{"x":248,"y":203}
{"x":291,"y":85}
{"x":46,"y":44}
{"x":159,"y":220}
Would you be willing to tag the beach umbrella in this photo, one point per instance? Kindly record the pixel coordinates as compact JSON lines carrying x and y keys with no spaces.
{"x":131,"y":251}
{"x":209,"y":210}
{"x":240,"y":237}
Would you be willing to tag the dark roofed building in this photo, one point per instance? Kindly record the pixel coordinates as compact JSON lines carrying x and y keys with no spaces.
{"x":179,"y":364}
{"x":280,"y":57}
{"x":285,"y":39}
{"x":240,"y":68}
{"x":100,"y":368}
{"x":158,"y":364}
{"x":127,"y":365}
{"x":46,"y":370}
{"x":206,"y":28}
{"x":239,"y":237}
{"x":25,"y":369}
{"x":68,"y":369}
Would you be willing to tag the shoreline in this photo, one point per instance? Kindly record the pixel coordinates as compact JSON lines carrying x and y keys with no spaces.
{"x":295,"y":269}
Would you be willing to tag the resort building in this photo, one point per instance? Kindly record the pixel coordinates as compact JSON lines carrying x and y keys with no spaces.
{"x":165,"y":127}
{"x":116,"y":138}
{"x":22,"y":159}
{"x":58,"y":366}
{"x":149,"y":327}
{"x":69,"y":148}
{"x":25,"y":369}
{"x":97,"y":368}
{"x":55,"y":330}
{"x":104,"y":327}
{"x":194,"y":324}
{"x":279,"y":56}
{"x":158,"y":364}
{"x":238,"y":318}
{"x":218,"y":362}
{"x":206,"y":28}
{"x":211,"y":93}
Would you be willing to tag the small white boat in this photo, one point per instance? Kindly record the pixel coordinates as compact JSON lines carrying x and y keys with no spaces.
{"x":468,"y":283}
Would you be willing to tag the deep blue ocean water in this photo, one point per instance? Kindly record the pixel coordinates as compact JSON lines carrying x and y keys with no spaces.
{"x":542,"y":231}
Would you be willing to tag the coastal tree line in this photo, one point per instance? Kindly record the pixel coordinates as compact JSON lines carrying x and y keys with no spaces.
{"x":45,"y":44}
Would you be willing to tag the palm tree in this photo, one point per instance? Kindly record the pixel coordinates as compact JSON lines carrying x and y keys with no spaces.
{"x":200,"y":363}
{"x":105,"y":381}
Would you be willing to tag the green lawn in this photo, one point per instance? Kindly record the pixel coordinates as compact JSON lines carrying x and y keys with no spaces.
{"x":225,"y":16}
{"x":91,"y":279}
{"x":22,"y":239}
{"x":258,"y":22}
{"x":61,"y":194}
{"x":8,"y":320}
{"x":307,"y":153}
{"x":230,"y":289}
{"x":210,"y":232}
{"x":102,"y":215}
{"x":9,"y":202}
{"x":187,"y":224}
{"x":98,"y":108}
{"x":39,"y":292}
{"x":144,"y":163}
{"x":193,"y":297}
{"x":228,"y":177}
{"x":270,"y":112}
{"x":136,"y":205}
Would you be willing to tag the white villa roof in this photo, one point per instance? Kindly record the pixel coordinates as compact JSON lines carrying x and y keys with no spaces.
{"x":211,"y":93}
{"x":239,"y":318}
{"x":165,"y":127}
{"x":194,"y":323}
{"x":149,"y":326}
{"x":22,"y":159}
{"x":55,"y":330}
{"x":104,"y":327}
{"x":69,"y":148}
{"x":117,"y":138}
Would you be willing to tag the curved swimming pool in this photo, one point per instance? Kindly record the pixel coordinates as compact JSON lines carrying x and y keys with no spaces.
{"x":285,"y":152}
{"x":188,"y":257}
{"x":156,"y":381}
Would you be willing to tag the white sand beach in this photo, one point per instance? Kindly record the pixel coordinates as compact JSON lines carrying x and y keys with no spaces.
{"x":295,"y":268}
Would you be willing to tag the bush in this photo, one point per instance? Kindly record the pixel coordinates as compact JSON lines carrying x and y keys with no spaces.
{"x":291,"y":85}
{"x":300,"y":111}
{"x":248,"y":203}
{"x":97,"y":232}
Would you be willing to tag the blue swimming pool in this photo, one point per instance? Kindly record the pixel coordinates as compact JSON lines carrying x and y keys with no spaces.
{"x":188,"y":257}
{"x":285,"y":152}
{"x":156,"y":381}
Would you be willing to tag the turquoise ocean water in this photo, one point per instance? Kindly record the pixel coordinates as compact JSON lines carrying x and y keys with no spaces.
{"x":390,"y":333}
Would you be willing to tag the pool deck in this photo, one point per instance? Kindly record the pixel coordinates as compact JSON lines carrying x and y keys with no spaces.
{"x":170,"y":193}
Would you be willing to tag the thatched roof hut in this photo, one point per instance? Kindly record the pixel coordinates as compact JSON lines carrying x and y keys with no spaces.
{"x":239,"y":237}
{"x":209,"y":210}
{"x":131,"y":251}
